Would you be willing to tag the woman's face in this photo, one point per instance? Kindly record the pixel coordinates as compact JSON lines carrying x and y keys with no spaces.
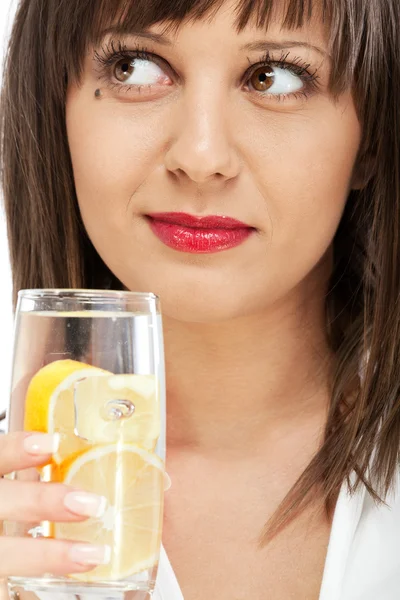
{"x":206,"y":121}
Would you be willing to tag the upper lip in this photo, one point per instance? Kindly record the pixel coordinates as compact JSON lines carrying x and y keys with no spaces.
{"x":199,"y":222}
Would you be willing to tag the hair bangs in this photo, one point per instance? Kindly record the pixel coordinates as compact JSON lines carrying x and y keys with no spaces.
{"x":130,"y":15}
{"x":136,"y":15}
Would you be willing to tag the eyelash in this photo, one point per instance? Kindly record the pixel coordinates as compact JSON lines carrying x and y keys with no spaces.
{"x":113,"y":52}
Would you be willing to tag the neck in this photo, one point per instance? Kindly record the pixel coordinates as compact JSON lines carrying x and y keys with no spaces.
{"x":237,"y":383}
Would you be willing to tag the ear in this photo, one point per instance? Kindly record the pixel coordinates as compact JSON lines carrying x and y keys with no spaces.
{"x":364,"y":170}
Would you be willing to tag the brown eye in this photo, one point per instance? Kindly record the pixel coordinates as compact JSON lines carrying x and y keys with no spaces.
{"x":263,"y":79}
{"x":124,"y":69}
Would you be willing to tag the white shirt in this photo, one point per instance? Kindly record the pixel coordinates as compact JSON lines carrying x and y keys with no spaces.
{"x":363,"y":559}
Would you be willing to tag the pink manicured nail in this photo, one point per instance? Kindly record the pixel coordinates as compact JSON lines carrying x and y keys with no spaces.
{"x":85,"y":504}
{"x":42,"y":443}
{"x":85,"y":554}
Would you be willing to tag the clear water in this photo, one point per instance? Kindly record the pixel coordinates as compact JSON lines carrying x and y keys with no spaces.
{"x":123,"y":343}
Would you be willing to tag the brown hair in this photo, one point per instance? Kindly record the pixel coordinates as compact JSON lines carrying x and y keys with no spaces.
{"x":50,"y":248}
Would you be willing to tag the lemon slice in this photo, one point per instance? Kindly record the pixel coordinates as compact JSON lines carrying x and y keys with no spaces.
{"x":49,"y":403}
{"x":132,"y":480}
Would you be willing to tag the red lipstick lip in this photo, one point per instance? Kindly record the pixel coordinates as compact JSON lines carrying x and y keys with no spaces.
{"x":207,"y":222}
{"x":198,"y":235}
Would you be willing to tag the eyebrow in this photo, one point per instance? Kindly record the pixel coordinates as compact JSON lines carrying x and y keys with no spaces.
{"x":158,"y":38}
{"x":261,"y":45}
{"x":270,"y":45}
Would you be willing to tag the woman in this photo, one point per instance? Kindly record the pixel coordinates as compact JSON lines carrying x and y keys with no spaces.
{"x":241,"y":160}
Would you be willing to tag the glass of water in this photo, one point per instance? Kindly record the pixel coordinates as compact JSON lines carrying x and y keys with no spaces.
{"x":89,"y":367}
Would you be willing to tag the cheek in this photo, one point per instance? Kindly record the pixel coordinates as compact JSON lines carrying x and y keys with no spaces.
{"x":113,"y":152}
{"x":304,"y":171}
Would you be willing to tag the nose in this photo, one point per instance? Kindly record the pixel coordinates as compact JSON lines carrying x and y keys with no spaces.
{"x":202,"y":150}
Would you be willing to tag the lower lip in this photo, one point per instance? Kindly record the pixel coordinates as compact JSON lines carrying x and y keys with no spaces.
{"x":196,"y":240}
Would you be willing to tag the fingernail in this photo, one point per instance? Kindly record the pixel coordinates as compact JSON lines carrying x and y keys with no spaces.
{"x":84,"y":554}
{"x":85,"y":504}
{"x":42,"y":443}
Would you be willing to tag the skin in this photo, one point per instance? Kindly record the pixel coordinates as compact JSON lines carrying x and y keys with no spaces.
{"x":248,"y":365}
{"x":200,"y":142}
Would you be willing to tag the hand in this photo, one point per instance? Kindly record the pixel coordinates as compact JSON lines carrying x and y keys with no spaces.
{"x":33,"y":502}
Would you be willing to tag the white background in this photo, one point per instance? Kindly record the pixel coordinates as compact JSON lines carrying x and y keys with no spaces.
{"x":7,"y":9}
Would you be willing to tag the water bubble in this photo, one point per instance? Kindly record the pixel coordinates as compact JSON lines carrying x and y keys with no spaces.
{"x":116,"y":410}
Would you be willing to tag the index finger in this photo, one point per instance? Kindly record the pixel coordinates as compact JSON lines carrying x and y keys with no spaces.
{"x":23,"y":450}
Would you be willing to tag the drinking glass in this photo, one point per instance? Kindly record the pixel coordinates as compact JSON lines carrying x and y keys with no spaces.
{"x":89,"y":366}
